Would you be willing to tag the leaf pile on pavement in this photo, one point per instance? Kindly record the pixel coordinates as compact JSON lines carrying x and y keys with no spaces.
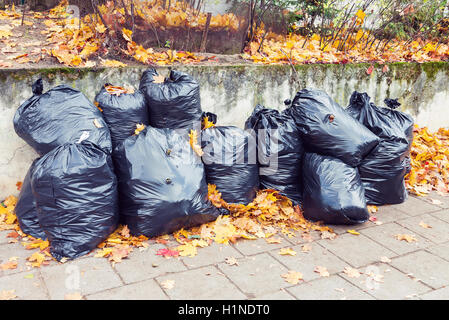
{"x":429,"y":162}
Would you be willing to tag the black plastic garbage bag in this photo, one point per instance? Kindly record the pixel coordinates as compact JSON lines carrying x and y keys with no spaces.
{"x":26,"y":210}
{"x":384,"y":169}
{"x":230,"y":162}
{"x":280,"y":152}
{"x":162,"y":183}
{"x":122,"y":113}
{"x":76,"y":195}
{"x":333,"y":191}
{"x":61,"y":115}
{"x":327,"y":129}
{"x":175,"y":103}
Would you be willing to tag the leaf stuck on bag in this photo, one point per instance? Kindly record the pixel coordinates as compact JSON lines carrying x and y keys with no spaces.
{"x":193,"y":135}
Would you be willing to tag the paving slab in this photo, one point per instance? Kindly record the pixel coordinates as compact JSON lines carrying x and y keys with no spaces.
{"x":306,"y":262}
{"x":277,"y":295}
{"x":84,"y":276}
{"x":356,"y":250}
{"x":213,"y":254}
{"x":19,"y":254}
{"x":26,"y":285}
{"x":143,"y":265}
{"x":385,"y":235}
{"x":256,"y":275}
{"x":442,"y":215}
{"x":415,"y":206}
{"x":440,"y":294}
{"x":438,"y":233}
{"x":3,"y":238}
{"x":332,"y":288}
{"x":144,"y":290}
{"x":430,"y":269}
{"x":201,"y":284}
{"x":441,"y":250}
{"x":386,"y":283}
{"x":389,"y":213}
{"x":438,"y":200}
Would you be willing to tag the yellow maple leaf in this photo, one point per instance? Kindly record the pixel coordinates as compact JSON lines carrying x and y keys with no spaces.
{"x":292,"y":277}
{"x":113,"y":63}
{"x":187,"y":250}
{"x":139,"y":128}
{"x":127,"y":34}
{"x":287,"y":251}
{"x":193,"y":135}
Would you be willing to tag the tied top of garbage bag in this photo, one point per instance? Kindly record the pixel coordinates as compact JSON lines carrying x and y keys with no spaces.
{"x":328,"y":129}
{"x":60,"y":115}
{"x":76,"y":195}
{"x":172,"y":103}
{"x":230,"y":161}
{"x":386,"y":123}
{"x":280,"y":151}
{"x":162,"y":183}
{"x":287,"y":139}
{"x":122,"y":109}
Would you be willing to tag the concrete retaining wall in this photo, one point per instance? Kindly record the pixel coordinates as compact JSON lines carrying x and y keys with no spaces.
{"x":232,"y":92}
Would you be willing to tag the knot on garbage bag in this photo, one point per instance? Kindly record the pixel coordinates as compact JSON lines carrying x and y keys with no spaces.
{"x":38,"y":87}
{"x":392,"y":103}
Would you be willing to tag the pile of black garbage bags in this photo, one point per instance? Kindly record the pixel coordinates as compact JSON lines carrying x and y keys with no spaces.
{"x":96,"y":170}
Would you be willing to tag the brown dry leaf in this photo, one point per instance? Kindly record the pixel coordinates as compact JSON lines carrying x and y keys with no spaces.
{"x":322,"y":271}
{"x":231,"y":261}
{"x":306,"y":248}
{"x":7,"y":294}
{"x":274,"y":240}
{"x":292,"y":277}
{"x":287,"y":251}
{"x":168,"y":284}
{"x":158,"y":79}
{"x":351,"y":272}
{"x":406,"y":237}
{"x":435,"y":201}
{"x":328,"y":235}
{"x":9,"y":265}
{"x":424,"y":225}
{"x":73,"y":296}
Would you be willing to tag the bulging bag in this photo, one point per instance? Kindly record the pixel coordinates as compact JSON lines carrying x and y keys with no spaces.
{"x":333,"y":191}
{"x":327,"y":129}
{"x":122,"y":112}
{"x":280,"y":152}
{"x":175,"y":103}
{"x":384,"y":169}
{"x":230,"y":162}
{"x":162,"y":183}
{"x":61,"y":115}
{"x":26,"y":210}
{"x":76,"y":195}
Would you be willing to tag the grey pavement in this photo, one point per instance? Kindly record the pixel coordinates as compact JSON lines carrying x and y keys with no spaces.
{"x":388,"y":268}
